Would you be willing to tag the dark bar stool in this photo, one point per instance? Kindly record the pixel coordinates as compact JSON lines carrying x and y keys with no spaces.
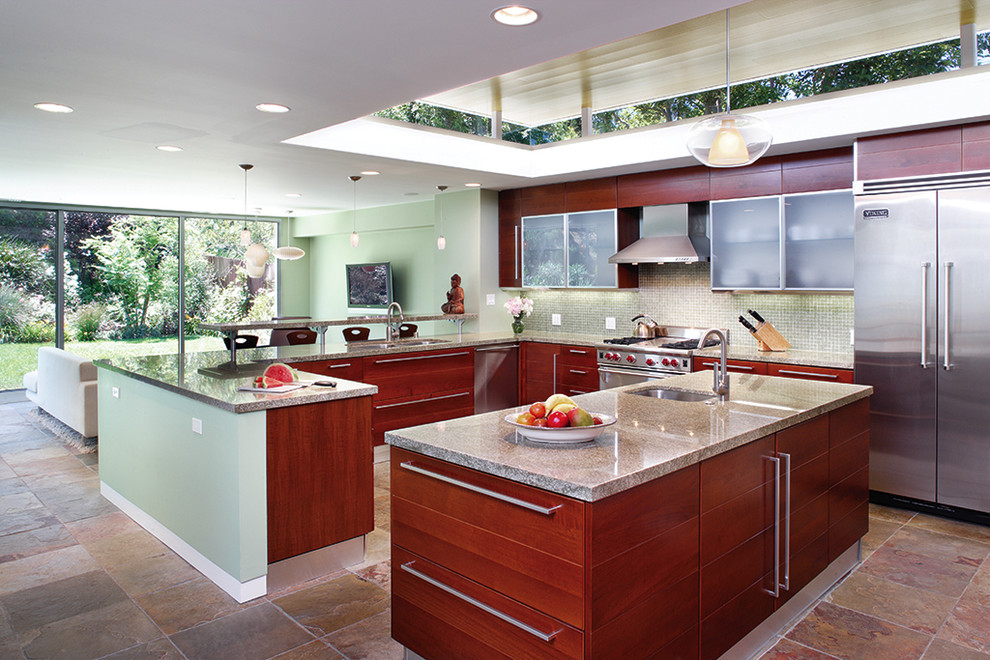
{"x":407,"y":330}
{"x":356,"y":333}
{"x":241,"y":341}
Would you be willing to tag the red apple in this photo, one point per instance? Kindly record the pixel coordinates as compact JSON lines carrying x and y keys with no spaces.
{"x":557,"y":420}
{"x":540,"y":421}
{"x":526,"y":419}
{"x":538,"y":409}
{"x":596,"y":420}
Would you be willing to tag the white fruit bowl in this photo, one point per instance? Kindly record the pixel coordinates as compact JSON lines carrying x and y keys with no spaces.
{"x":567,"y":434}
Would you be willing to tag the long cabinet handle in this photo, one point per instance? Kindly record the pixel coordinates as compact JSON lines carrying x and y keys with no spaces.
{"x":427,"y":399}
{"x":787,"y":521}
{"x":515,"y":249}
{"x":946,"y":362}
{"x":729,"y":367}
{"x":546,"y":637}
{"x":924,"y":314}
{"x":574,"y":350}
{"x":578,"y":372}
{"x":805,"y":373}
{"x":547,"y":511}
{"x":421,"y":357}
{"x":338,"y":366}
{"x":776,"y":527}
{"x":496,"y":348}
{"x":555,"y":370}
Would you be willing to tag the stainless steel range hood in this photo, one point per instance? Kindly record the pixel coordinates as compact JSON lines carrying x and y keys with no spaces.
{"x":672,"y":233}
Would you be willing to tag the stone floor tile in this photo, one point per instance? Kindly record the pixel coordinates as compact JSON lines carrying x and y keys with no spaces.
{"x":968,"y":624}
{"x":157,"y":649}
{"x":255,"y":633}
{"x":43,"y":568}
{"x":380,"y":574}
{"x":890,"y":514}
{"x":13,"y":486}
{"x":382,"y":471}
{"x":785,"y":649}
{"x":911,"y":607}
{"x":34,"y":542}
{"x":954,"y":549}
{"x":958,"y":528}
{"x":334,"y":605}
{"x":62,"y":465}
{"x":17,"y":458}
{"x":117,"y":548}
{"x":369,"y":639}
{"x":383,"y":512}
{"x":142,"y":575}
{"x":941,"y":649}
{"x":5,"y":471}
{"x":845,"y":633}
{"x":81,"y":508}
{"x":186,"y":605}
{"x":880,"y":531}
{"x":317,"y":650}
{"x":92,"y":634}
{"x":48,"y":603}
{"x":100,"y":527}
{"x":12,"y":503}
{"x":24,"y":520}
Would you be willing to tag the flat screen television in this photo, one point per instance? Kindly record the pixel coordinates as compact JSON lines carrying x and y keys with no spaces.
{"x":369,"y":285}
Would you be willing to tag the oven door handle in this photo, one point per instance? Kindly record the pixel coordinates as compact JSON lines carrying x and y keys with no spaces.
{"x":637,"y":372}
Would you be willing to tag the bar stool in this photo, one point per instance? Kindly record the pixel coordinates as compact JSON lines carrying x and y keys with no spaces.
{"x":356,"y":333}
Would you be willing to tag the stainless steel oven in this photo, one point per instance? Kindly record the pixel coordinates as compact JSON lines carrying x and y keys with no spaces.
{"x":631,"y":360}
{"x":609,"y":377}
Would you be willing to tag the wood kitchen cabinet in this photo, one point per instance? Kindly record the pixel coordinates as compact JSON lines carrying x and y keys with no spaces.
{"x":810,"y":373}
{"x":420,"y":387}
{"x":577,"y":370}
{"x":547,"y":369}
{"x":350,"y":369}
{"x":733,"y":366}
{"x":510,"y":239}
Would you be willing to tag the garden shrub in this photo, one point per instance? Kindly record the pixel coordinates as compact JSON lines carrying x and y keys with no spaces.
{"x":86,"y":321}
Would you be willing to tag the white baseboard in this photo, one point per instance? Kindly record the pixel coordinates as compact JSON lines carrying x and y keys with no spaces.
{"x":240,"y":591}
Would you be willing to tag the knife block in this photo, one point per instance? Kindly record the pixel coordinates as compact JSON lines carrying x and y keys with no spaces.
{"x":769,"y":339}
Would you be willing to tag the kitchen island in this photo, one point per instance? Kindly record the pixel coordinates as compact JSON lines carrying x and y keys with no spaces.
{"x":685,"y":530}
{"x":256,"y":490}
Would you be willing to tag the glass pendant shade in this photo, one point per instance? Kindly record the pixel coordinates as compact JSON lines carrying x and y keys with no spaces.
{"x":245,"y":236}
{"x":355,"y":239}
{"x":729,"y":140}
{"x":441,"y":242}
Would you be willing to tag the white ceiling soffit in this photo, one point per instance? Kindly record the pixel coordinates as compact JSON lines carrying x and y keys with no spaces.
{"x":827,"y":120}
{"x":767,"y":37}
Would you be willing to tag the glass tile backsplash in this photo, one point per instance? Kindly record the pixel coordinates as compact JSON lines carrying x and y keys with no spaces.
{"x":680,"y":294}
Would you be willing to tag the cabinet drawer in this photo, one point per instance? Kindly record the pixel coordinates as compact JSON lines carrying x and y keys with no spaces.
{"x":577,"y":356}
{"x":848,"y":457}
{"x":346,"y":369}
{"x":579,"y":379}
{"x":412,"y":374}
{"x":520,"y":541}
{"x":399,"y":413}
{"x":734,"y":366}
{"x":438,"y":613}
{"x":810,"y":373}
{"x":735,"y":472}
{"x":849,"y":493}
{"x":804,"y":441}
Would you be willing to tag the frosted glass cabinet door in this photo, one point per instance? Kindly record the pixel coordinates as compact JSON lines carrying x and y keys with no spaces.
{"x":543,"y":256}
{"x":590,"y":242}
{"x":746,"y":243}
{"x":818,"y":244}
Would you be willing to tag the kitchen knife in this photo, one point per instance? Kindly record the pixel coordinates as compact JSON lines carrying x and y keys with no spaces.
{"x":749,"y":326}
{"x":757,"y":316}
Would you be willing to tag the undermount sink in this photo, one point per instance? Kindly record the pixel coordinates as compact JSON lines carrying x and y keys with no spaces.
{"x":398,"y":343}
{"x":676,"y":395}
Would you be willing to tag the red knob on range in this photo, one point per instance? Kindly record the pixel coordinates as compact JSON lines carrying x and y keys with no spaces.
{"x":666,"y":362}
{"x":630,"y":358}
{"x":650,"y":362}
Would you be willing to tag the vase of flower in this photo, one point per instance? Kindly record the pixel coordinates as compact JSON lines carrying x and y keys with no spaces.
{"x":518,"y":307}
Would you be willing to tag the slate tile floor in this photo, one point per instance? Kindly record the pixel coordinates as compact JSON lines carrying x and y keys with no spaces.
{"x":79,"y":579}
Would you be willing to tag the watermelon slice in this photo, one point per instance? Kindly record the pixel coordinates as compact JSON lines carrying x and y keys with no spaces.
{"x":264,"y":382}
{"x":281,"y":372}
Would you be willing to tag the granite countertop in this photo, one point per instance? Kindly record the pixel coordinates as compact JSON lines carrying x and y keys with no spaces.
{"x":316,"y":323}
{"x":184,"y":374}
{"x":651,"y":438}
{"x":791,"y":356}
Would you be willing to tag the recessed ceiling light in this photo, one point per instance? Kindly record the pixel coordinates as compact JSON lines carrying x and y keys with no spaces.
{"x":293,"y":194}
{"x":53,"y":107}
{"x":515,"y":15}
{"x":168,"y":147}
{"x":472,"y":185}
{"x":371,"y":172}
{"x":273,"y":107}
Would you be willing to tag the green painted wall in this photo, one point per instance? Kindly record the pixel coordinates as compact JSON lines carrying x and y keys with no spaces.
{"x":209,"y":489}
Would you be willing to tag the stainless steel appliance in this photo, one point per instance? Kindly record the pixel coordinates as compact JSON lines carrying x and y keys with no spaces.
{"x":496,"y":377}
{"x":629,"y":360}
{"x":923,"y":336}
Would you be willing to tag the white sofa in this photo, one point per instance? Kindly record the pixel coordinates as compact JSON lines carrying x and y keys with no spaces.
{"x":64,"y":386}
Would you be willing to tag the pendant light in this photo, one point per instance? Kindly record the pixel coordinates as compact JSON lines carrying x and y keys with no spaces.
{"x":729,"y":140}
{"x":354,"y":235}
{"x":245,"y":232}
{"x":288,"y":252}
{"x":441,"y":241}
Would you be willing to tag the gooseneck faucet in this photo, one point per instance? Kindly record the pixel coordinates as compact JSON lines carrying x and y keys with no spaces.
{"x":392,"y":328}
{"x":721,"y":375}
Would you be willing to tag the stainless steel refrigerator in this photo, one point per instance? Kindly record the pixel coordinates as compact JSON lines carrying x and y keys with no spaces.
{"x":922,"y":337}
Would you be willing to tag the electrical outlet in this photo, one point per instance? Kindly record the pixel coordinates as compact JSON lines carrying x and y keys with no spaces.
{"x":490,"y":299}
{"x":852,"y":337}
{"x":197,"y":425}
{"x":610,"y":323}
{"x":115,"y":391}
{"x":555,"y":319}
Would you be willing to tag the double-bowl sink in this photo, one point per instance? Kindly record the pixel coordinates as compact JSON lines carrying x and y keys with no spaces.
{"x":396,"y":343}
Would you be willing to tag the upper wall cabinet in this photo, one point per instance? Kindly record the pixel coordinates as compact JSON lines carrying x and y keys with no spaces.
{"x":510,"y":239}
{"x":570,"y":250}
{"x":791,"y":242}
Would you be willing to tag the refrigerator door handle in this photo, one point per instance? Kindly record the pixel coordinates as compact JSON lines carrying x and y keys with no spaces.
{"x":924,"y":313}
{"x":946,"y":363}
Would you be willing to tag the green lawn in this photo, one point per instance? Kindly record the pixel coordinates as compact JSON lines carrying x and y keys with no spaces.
{"x":18,"y":359}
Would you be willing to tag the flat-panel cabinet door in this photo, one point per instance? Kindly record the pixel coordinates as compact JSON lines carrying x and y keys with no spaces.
{"x":746,"y":243}
{"x":818,"y":241}
{"x":895,"y":276}
{"x":964,"y":348}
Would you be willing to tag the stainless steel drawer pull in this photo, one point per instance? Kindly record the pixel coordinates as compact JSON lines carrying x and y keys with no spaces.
{"x":805,"y":373}
{"x":546,"y":637}
{"x":422,"y":357}
{"x":786,"y":585}
{"x":432,"y":398}
{"x":580,"y":373}
{"x":729,"y":367}
{"x":482,"y":491}
{"x":338,"y":366}
{"x":496,"y":348}
{"x":573,"y":350}
{"x":776,"y":527}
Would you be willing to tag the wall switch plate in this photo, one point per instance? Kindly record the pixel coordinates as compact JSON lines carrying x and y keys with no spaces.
{"x":490,"y":299}
{"x":610,"y":323}
{"x":852,"y":336}
{"x":555,"y":319}
{"x":197,"y":425}
{"x":115,"y":391}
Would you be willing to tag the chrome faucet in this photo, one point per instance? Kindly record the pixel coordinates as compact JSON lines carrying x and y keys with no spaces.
{"x":721,"y":380}
{"x":392,"y":328}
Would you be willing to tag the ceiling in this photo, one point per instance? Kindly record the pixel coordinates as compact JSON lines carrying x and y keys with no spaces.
{"x":141,"y":74}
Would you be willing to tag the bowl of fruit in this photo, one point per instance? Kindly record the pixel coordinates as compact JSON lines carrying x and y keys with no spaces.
{"x":559,"y":419}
